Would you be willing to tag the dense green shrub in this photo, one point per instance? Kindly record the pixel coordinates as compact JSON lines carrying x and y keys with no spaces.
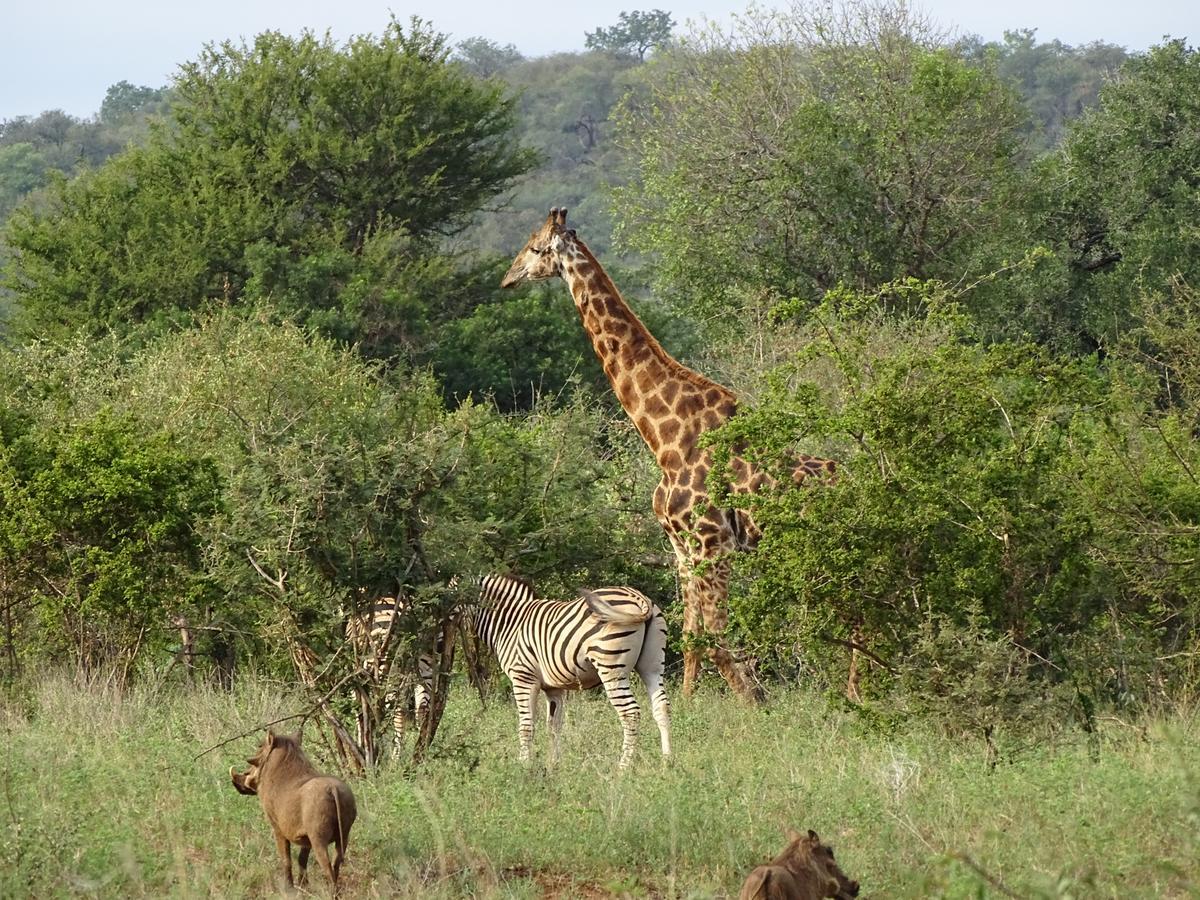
{"x":339,"y":475}
{"x":977,"y":490}
{"x":99,"y":537}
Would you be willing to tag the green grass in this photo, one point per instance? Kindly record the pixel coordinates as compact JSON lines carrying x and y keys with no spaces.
{"x":100,"y":795}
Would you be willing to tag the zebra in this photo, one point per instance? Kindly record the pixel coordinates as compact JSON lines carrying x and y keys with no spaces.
{"x":373,"y":637}
{"x":554,"y":646}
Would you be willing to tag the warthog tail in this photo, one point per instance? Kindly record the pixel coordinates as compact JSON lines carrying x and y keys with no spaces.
{"x":341,"y":844}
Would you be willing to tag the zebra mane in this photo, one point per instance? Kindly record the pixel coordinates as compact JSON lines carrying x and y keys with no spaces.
{"x":494,"y":582}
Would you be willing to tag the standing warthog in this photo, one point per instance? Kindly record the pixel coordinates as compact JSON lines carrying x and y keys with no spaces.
{"x":303,"y":807}
{"x":805,"y":870}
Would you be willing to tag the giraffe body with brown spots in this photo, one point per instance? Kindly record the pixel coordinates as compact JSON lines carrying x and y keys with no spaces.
{"x":670,"y":405}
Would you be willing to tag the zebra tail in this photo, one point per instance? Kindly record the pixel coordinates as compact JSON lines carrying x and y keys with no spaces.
{"x":632,"y":608}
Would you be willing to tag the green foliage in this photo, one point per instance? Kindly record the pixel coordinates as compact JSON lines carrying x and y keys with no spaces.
{"x":292,"y":167}
{"x":379,"y":133}
{"x":1057,"y":81}
{"x":634,"y":34}
{"x":22,"y":169}
{"x":124,"y":102}
{"x":970,"y":682}
{"x":98,"y":533}
{"x":514,"y":350}
{"x":564,"y":110}
{"x":993,"y":503}
{"x":484,"y":58}
{"x":33,"y":147}
{"x":1124,"y":187}
{"x":338,"y":476}
{"x":955,"y":498}
{"x":1140,"y":481}
{"x":799,"y":151}
{"x":118,"y":247}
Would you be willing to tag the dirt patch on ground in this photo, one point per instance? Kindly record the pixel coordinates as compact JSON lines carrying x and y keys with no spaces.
{"x":561,"y":886}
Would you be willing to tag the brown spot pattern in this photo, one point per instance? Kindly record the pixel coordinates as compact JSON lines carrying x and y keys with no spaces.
{"x":655,"y":407}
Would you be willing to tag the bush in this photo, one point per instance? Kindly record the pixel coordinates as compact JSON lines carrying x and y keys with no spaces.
{"x":98,"y":535}
{"x":957,"y":499}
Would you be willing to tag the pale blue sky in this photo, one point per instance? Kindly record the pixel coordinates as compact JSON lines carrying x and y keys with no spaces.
{"x":65,"y":53}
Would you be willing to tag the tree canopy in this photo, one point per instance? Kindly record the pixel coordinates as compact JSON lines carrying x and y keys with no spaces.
{"x":292,"y":168}
{"x":784,"y":156}
{"x":634,"y":34}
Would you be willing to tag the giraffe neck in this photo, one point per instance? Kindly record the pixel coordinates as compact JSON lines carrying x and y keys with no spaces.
{"x":668,"y":403}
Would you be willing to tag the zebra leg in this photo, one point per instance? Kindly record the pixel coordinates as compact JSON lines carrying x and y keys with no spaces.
{"x":360,"y":717}
{"x":525,"y":692}
{"x":650,"y":667}
{"x":393,"y":703}
{"x":616,"y":685}
{"x":423,"y":692}
{"x":555,"y":710}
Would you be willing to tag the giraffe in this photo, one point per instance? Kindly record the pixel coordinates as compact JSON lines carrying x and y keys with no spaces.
{"x":670,"y":406}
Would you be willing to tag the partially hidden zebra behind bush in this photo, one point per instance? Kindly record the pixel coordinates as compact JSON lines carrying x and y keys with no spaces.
{"x":553,"y":646}
{"x":375,"y":635}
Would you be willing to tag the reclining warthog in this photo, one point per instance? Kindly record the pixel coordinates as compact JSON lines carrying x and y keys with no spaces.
{"x":805,"y":870}
{"x":305,"y":808}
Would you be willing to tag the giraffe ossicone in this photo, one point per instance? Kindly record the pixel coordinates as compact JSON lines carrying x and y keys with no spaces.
{"x":670,"y":405}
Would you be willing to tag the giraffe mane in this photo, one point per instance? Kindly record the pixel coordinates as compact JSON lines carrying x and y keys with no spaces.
{"x":673,"y":365}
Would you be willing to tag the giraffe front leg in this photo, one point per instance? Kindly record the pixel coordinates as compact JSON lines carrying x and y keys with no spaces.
{"x":712,"y":597}
{"x":692,"y":620}
{"x":692,"y":629}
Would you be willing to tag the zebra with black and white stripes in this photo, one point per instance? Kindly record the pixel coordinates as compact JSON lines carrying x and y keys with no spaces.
{"x":553,"y":646}
{"x":374,"y":635}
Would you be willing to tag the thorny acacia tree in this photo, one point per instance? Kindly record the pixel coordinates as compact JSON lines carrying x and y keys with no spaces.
{"x":634,"y":34}
{"x":801,"y":149}
{"x":347,"y":481}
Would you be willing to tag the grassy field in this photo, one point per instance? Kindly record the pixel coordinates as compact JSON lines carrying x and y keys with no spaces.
{"x":100,"y":795}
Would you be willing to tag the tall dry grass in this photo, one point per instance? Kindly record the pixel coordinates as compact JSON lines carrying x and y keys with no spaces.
{"x":100,"y":795}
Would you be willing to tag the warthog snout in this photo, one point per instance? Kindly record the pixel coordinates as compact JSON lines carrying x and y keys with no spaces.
{"x":245,"y":782}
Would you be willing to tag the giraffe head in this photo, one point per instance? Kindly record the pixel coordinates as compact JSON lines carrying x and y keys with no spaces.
{"x":541,"y":257}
